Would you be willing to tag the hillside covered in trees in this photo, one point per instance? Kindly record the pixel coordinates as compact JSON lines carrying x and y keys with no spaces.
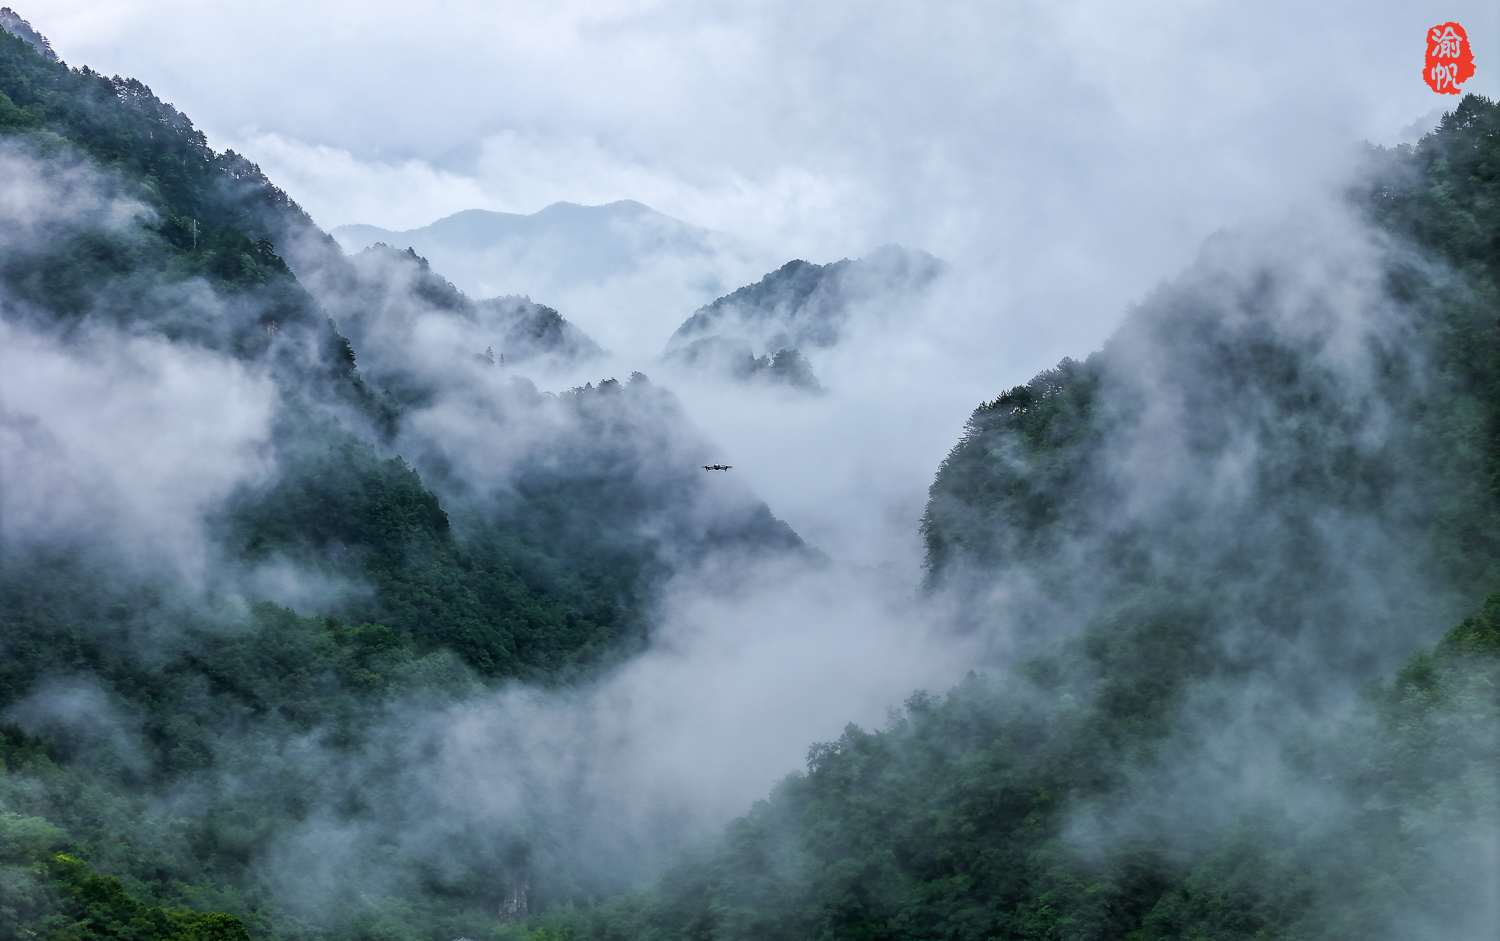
{"x":761,"y":332}
{"x":211,"y":420}
{"x":1221,"y":558}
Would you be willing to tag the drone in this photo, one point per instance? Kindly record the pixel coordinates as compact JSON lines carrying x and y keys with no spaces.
{"x":717,"y":466}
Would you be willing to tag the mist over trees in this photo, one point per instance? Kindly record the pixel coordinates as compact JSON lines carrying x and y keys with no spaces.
{"x":194,"y":449}
{"x":800,"y":306}
{"x":1220,"y":558}
{"x":315,"y":608}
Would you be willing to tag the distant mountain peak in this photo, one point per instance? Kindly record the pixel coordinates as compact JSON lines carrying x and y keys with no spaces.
{"x":491,"y":222}
{"x":798,"y":306}
{"x":542,"y":253}
{"x":619,"y":205}
{"x":804,"y":305}
{"x":516,"y":328}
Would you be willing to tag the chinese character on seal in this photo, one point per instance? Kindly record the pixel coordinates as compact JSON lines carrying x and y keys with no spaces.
{"x":1450,"y":61}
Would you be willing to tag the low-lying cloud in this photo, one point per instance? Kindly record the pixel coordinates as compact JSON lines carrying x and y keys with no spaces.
{"x":124,"y":442}
{"x":597,"y":787}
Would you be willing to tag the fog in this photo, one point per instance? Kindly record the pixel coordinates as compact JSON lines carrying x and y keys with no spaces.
{"x":599,"y":787}
{"x":124,"y":443}
{"x":129,"y":445}
{"x":1062,"y":159}
{"x":111,"y":438}
{"x":1079,"y":152}
{"x":850,"y":468}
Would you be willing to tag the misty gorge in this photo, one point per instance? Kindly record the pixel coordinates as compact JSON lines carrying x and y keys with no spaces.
{"x":625,"y":587}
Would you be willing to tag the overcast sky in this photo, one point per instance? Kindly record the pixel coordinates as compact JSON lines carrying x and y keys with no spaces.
{"x":1064,"y":156}
{"x":1084,"y":146}
{"x":1087,"y":128}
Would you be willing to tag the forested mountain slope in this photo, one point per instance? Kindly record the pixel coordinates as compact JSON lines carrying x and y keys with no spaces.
{"x":762,"y":331}
{"x":398,"y":294}
{"x":192,"y":451}
{"x":1219,"y":559}
{"x":806,"y":305}
{"x":155,"y":235}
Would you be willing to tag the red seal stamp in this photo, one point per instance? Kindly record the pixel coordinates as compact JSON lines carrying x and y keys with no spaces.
{"x":1450,"y":61}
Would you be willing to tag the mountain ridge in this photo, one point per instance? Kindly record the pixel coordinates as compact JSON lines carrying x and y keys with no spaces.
{"x":759,"y":332}
{"x":225,"y":575}
{"x":548,"y":252}
{"x":468,"y":223}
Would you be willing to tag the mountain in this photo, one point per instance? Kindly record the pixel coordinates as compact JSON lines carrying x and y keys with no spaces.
{"x":800,"y":306}
{"x":806,"y":305}
{"x":308,"y":599}
{"x":501,"y":330}
{"x":266,"y":511}
{"x":1221,"y":560}
{"x":734,"y":358}
{"x":488,"y":253}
